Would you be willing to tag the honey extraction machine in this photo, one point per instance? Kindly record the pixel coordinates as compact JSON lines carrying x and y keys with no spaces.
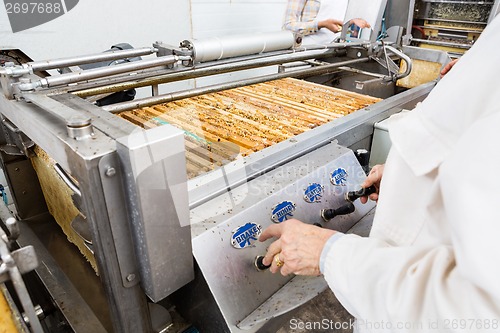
{"x":162,"y":198}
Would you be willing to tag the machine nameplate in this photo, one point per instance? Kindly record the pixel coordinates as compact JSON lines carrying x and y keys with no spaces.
{"x":339,"y":177}
{"x":314,"y":192}
{"x":245,"y":235}
{"x":282,"y":211}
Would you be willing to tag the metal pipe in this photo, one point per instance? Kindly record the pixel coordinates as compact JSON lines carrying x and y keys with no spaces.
{"x":216,"y":48}
{"x":359,"y":71}
{"x":88,"y":59}
{"x":407,"y":59}
{"x":97,"y":73}
{"x":120,"y":107}
{"x":202,"y":71}
{"x":441,"y":43}
{"x":67,"y":179}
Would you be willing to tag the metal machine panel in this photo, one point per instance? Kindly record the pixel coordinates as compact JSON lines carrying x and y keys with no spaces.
{"x":156,"y":179}
{"x":237,"y":286}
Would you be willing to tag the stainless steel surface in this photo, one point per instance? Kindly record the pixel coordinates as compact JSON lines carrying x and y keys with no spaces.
{"x":405,"y":58}
{"x":81,"y":226}
{"x":78,"y":126}
{"x":232,"y":46}
{"x":67,"y":180}
{"x":155,"y":182}
{"x":22,"y":181}
{"x":295,"y":293}
{"x":80,"y":159}
{"x":230,"y":272}
{"x":113,"y":189}
{"x":75,"y":308}
{"x":435,"y":56}
{"x":442,"y":43}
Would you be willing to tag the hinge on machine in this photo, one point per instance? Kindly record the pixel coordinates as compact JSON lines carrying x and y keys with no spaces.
{"x":15,"y":142}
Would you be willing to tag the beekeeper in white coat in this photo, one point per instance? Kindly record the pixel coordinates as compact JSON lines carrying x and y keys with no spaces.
{"x":431,"y":263}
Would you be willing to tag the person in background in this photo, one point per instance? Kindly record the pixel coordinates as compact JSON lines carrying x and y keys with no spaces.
{"x":318,"y":21}
{"x":430,"y":263}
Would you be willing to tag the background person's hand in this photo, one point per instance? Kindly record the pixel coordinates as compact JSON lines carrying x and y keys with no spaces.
{"x":374,"y":178}
{"x":360,"y":23}
{"x":298,"y":247}
{"x":331,"y":24}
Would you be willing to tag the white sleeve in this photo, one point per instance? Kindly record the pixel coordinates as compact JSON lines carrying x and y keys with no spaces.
{"x":456,"y":285}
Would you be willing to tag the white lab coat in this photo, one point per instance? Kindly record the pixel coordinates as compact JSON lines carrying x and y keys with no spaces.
{"x":432,"y":261}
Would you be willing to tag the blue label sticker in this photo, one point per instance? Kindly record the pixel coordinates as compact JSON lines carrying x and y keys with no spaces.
{"x":246,"y":235}
{"x":282,"y":211}
{"x":313,"y":193}
{"x":339,"y":177}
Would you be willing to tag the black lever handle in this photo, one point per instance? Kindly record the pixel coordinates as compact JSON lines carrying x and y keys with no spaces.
{"x":328,"y":214}
{"x":259,"y":264}
{"x":354,"y":195}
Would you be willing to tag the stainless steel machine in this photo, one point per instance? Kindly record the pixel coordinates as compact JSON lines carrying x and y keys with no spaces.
{"x":168,"y":207}
{"x":452,"y":26}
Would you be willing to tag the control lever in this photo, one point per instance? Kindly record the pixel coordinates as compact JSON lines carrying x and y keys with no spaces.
{"x":259,"y":264}
{"x":258,"y":260}
{"x":328,"y":214}
{"x":350,"y":197}
{"x":354,"y":195}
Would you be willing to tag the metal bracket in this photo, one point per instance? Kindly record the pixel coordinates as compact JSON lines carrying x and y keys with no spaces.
{"x":7,"y":79}
{"x":113,"y":193}
{"x":170,"y":50}
{"x":78,"y":125}
{"x":16,"y":142}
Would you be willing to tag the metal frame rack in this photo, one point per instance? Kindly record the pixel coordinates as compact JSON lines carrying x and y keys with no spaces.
{"x":450,"y":25}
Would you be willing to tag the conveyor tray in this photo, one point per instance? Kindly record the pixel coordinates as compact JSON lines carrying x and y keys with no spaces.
{"x":221,"y":127}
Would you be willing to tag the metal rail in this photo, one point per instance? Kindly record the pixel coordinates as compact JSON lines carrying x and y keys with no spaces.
{"x":85,"y":75}
{"x":88,"y":59}
{"x":441,"y":43}
{"x":202,"y":70}
{"x":409,"y":64}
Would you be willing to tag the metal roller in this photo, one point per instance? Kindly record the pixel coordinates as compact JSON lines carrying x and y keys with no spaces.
{"x":239,"y":45}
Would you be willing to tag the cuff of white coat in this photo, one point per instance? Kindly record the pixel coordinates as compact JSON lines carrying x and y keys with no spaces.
{"x":326,"y":249}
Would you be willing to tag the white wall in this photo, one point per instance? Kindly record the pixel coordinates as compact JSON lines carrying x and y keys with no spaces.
{"x":95,"y":25}
{"x":215,"y":18}
{"x":222,"y":17}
